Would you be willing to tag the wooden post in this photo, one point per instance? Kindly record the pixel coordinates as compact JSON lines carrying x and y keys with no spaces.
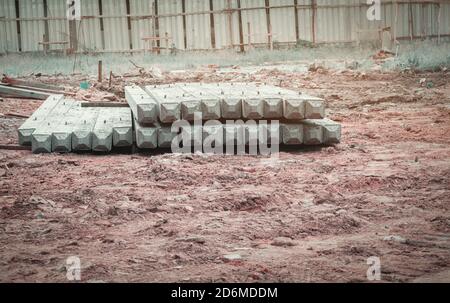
{"x":100,"y":71}
{"x":313,"y":20}
{"x":158,"y":42}
{"x":211,"y":20}
{"x":241,"y":32}
{"x":249,"y":35}
{"x":297,"y":29}
{"x":269,"y":25}
{"x":46,"y":29}
{"x":44,"y":44}
{"x":439,"y":24}
{"x":183,"y":9}
{"x":230,"y":23}
{"x":270,"y":38}
{"x":73,"y":40}
{"x":166,"y":35}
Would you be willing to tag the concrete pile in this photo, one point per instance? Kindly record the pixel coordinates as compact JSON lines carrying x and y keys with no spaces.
{"x":64,"y":125}
{"x":301,"y":117}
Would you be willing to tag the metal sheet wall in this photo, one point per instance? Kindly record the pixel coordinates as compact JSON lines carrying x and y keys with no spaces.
{"x":283,"y":21}
{"x":90,"y":37}
{"x":141,"y":27}
{"x":198,"y":26}
{"x":32,"y":24}
{"x":57,"y":23}
{"x":257,"y":19}
{"x":226,"y":24}
{"x":305,"y":17}
{"x":115,"y":25}
{"x":9,"y":41}
{"x":172,"y":25}
{"x":329,"y":21}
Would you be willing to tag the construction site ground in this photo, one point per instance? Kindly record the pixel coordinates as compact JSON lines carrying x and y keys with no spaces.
{"x":312,"y":215}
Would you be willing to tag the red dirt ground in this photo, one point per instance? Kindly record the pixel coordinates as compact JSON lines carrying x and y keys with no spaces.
{"x":164,"y":218}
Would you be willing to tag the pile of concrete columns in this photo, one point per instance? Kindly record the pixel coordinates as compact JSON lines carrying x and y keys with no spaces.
{"x":301,"y":117}
{"x":64,"y":125}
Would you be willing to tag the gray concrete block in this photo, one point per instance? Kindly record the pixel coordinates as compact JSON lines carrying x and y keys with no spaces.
{"x":253,"y":108}
{"x":42,"y":137}
{"x":82,"y":131}
{"x":165,"y":137}
{"x":39,"y":116}
{"x":231,"y":107}
{"x":169,"y":112}
{"x":210,"y":109}
{"x":102,"y":134}
{"x":292,"y":134}
{"x":41,"y":143}
{"x":169,"y":99}
{"x":273,"y":108}
{"x":294,"y":109}
{"x":147,"y":113}
{"x":314,"y":109}
{"x":189,"y":108}
{"x":62,"y":137}
{"x":62,"y":142}
{"x":312,"y":134}
{"x":102,"y":140}
{"x":143,"y":106}
{"x":122,"y":128}
{"x":209,"y":102}
{"x":331,"y":131}
{"x":146,"y":137}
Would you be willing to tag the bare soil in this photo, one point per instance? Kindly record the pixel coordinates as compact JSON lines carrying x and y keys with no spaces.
{"x":314,"y":214}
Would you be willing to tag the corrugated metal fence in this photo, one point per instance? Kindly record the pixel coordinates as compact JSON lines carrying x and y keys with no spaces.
{"x":162,"y":25}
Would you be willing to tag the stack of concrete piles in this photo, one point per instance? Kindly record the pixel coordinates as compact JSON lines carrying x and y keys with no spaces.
{"x":301,"y":117}
{"x":63,"y":125}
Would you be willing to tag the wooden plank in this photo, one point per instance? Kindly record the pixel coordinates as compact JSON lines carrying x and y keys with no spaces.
{"x":31,"y":84}
{"x":14,"y":147}
{"x":104,"y":104}
{"x":23,"y":93}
